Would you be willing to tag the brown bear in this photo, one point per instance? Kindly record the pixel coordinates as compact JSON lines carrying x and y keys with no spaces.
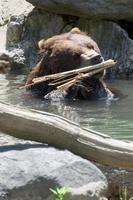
{"x":65,"y":52}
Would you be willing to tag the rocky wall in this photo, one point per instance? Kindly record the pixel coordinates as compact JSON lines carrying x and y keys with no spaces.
{"x":26,"y":29}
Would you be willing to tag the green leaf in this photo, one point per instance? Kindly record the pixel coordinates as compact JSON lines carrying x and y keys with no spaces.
{"x":65,"y":190}
{"x":60,"y":193}
{"x":58,"y":190}
{"x":53,"y":191}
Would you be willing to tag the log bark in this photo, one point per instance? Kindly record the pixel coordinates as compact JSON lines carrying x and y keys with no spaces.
{"x":64,"y":134}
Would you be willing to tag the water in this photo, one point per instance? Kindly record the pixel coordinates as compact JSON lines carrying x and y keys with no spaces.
{"x":111,"y":117}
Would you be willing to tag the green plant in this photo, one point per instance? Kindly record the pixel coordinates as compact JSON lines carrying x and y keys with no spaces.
{"x":59,"y":193}
{"x":123,"y":193}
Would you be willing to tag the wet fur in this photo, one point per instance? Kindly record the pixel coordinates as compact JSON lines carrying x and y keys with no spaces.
{"x":62,"y":53}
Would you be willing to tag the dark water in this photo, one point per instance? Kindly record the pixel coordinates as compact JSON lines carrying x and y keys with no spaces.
{"x":111,"y":117}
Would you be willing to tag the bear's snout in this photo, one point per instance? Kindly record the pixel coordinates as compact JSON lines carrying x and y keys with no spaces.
{"x":96,"y":59}
{"x":91,"y":58}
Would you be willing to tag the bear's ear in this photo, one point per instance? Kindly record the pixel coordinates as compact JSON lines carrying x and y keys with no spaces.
{"x":41,"y":44}
{"x":75,"y":30}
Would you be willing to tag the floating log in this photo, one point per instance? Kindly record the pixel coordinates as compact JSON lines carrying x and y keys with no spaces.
{"x":63,"y":134}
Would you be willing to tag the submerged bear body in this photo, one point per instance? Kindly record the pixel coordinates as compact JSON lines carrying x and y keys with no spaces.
{"x":66,"y":52}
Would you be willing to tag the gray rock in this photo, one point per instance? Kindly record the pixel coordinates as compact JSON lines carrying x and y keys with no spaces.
{"x":9,"y":8}
{"x":4,"y":66}
{"x":3,"y":30}
{"x":24,"y":32}
{"x":29,"y":169}
{"x":103,"y":9}
{"x":5,"y":57}
{"x":13,"y":12}
{"x":5,"y":62}
{"x":18,"y":56}
{"x":1,"y":20}
{"x":15,"y":30}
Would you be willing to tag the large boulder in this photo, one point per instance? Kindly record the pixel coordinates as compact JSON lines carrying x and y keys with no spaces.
{"x":29,"y":169}
{"x":103,"y":9}
{"x":14,"y":7}
{"x":8,"y":9}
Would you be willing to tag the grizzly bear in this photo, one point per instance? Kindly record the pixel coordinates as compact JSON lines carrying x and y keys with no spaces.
{"x":65,"y":52}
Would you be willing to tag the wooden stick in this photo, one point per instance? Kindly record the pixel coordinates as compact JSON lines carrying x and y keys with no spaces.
{"x":62,"y":81}
{"x":75,"y":71}
{"x":71,"y":82}
{"x":62,"y":75}
{"x":66,"y":85}
{"x":26,"y":86}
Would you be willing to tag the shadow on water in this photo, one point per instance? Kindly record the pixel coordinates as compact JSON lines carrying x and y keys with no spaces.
{"x":111,"y":117}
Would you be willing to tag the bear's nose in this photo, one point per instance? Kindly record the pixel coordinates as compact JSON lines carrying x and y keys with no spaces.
{"x":91,"y":58}
{"x":96,"y":59}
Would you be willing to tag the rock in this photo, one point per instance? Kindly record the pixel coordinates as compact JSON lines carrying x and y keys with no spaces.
{"x":18,"y":56}
{"x":29,"y":169}
{"x":13,"y":59}
{"x":1,"y":20}
{"x":103,"y":9}
{"x":118,"y":179}
{"x":5,"y":63}
{"x":4,"y":66}
{"x":3,"y":30}
{"x":15,"y":7}
{"x":15,"y":29}
{"x":24,"y":32}
{"x":11,"y":36}
{"x":5,"y":57}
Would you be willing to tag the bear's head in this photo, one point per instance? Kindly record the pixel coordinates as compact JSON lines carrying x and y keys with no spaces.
{"x":68,"y":51}
{"x":61,"y":53}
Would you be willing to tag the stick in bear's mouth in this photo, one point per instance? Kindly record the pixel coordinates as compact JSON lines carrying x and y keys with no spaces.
{"x":86,"y":71}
